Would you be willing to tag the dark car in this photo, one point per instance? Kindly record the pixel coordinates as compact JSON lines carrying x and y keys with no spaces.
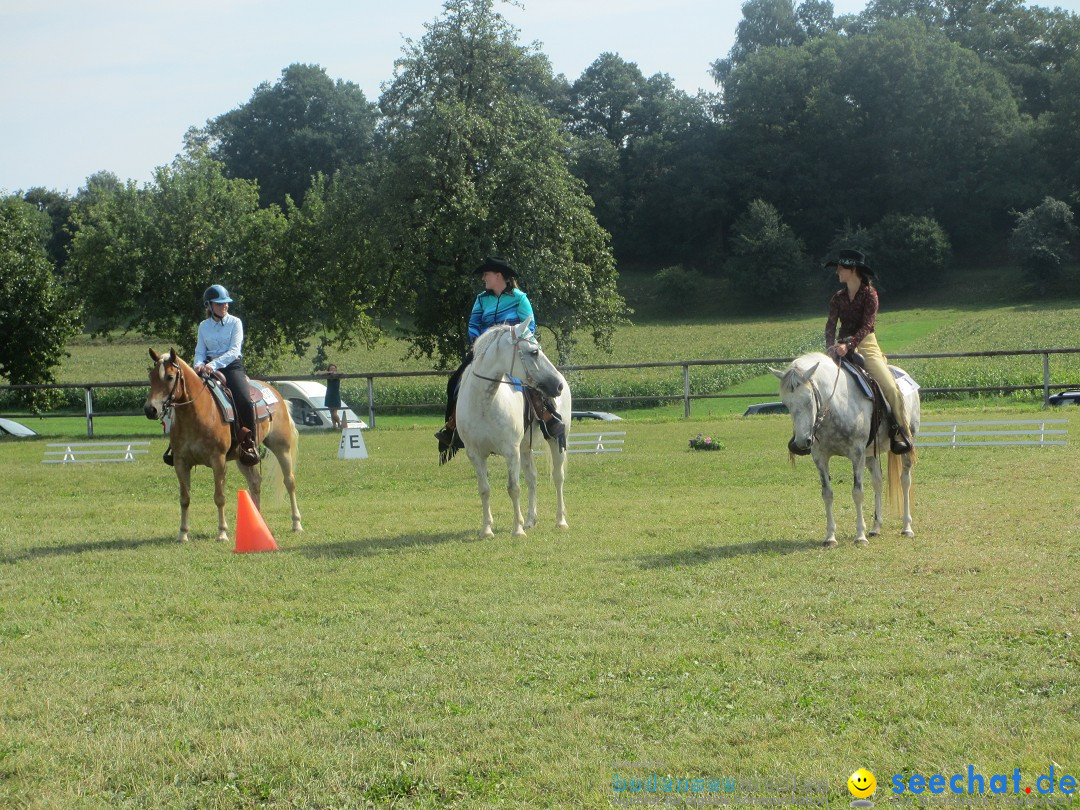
{"x":1064,"y":398}
{"x":603,"y":416}
{"x":766,"y":407}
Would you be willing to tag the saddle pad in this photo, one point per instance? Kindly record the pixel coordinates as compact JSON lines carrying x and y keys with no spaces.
{"x":261,"y":396}
{"x":857,"y":375}
{"x":904,"y":381}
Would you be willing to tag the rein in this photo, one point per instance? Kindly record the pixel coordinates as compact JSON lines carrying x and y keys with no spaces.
{"x":513,"y":359}
{"x":170,"y":402}
{"x":822,"y":409}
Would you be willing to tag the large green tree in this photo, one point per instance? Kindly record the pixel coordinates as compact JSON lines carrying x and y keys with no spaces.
{"x":304,"y":124}
{"x":475,"y":165}
{"x":36,"y":317}
{"x":143,"y":256}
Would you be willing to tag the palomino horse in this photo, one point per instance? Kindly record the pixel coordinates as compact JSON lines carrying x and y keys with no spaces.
{"x":200,"y":436}
{"x":832,"y":417}
{"x":490,"y":418}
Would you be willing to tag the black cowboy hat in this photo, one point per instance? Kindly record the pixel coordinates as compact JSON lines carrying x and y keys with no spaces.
{"x":499,"y":265}
{"x":851,"y":258}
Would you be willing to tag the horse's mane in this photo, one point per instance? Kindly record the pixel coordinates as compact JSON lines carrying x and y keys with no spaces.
{"x":490,"y":336}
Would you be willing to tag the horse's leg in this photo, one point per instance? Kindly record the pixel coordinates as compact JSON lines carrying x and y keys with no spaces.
{"x":513,"y":488}
{"x":874,"y":463}
{"x":254,"y":482}
{"x":219,"y":497}
{"x":858,"y":466}
{"x":183,"y":475}
{"x":558,"y":475}
{"x":905,"y":482}
{"x":284,"y":451}
{"x":528,"y":469}
{"x":479,"y":463}
{"x":822,"y":463}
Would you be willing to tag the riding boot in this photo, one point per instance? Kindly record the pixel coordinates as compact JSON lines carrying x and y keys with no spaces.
{"x":449,"y":440}
{"x":900,"y":441}
{"x":551,"y":424}
{"x":249,"y":453}
{"x":167,"y":456}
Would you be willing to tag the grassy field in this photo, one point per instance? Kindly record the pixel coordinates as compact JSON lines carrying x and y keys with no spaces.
{"x":386,"y":658}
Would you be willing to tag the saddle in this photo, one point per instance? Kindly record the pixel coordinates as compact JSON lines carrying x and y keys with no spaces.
{"x":262,"y":397}
{"x":855,"y":365}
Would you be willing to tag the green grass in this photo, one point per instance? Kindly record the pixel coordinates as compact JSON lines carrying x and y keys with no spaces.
{"x":387,"y":658}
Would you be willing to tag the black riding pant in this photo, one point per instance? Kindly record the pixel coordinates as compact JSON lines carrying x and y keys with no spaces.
{"x":236,"y":380}
{"x":453,"y":384}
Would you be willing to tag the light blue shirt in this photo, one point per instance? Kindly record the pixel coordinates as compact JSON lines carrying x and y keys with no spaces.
{"x":220,"y":340}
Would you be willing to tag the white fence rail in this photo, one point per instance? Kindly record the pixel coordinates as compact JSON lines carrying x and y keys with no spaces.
{"x":87,"y":452}
{"x":602,"y":442}
{"x":993,"y":433}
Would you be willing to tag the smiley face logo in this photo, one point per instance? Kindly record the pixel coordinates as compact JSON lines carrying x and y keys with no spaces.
{"x":862,"y":784}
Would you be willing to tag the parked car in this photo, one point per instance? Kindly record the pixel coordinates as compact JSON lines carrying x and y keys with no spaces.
{"x":307,"y":403}
{"x":603,"y":416}
{"x":9,"y":427}
{"x":1064,"y":398}
{"x":766,"y":407}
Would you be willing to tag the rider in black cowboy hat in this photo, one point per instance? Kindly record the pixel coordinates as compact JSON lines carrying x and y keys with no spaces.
{"x":501,"y":302}
{"x":855,"y":305}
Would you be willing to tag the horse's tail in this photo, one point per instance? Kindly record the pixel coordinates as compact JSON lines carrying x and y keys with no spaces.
{"x":896,"y":491}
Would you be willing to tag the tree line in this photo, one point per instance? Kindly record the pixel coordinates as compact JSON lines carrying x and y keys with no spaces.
{"x":916,"y":130}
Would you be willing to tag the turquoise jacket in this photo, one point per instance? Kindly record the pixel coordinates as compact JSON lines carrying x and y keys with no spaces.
{"x":511,"y":307}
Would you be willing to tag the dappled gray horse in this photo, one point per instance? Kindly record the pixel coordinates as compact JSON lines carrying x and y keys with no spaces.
{"x":832,"y":417}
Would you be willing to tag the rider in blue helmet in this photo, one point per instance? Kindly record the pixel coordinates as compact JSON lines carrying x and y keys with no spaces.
{"x":218,"y":348}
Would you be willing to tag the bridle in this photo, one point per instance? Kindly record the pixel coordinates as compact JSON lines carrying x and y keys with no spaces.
{"x":822,"y":409}
{"x":170,"y":401}
{"x":517,"y":341}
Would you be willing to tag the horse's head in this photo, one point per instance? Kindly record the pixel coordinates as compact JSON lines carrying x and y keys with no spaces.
{"x":166,"y":378}
{"x":803,"y":402}
{"x":515,"y":351}
{"x":539,"y":371}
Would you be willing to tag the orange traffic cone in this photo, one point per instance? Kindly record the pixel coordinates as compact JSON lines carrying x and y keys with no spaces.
{"x":251,"y":531}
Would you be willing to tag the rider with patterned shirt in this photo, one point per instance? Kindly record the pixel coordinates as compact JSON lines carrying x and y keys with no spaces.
{"x":501,"y":302}
{"x":855,"y":306}
{"x":218,"y":348}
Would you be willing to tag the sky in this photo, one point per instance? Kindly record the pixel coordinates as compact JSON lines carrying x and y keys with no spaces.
{"x":113,"y":85}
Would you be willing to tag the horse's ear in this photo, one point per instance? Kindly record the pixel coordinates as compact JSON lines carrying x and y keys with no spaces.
{"x":153,"y":354}
{"x":776,"y":373}
{"x":522,"y":327}
{"x":810,"y":371}
{"x":172,"y":354}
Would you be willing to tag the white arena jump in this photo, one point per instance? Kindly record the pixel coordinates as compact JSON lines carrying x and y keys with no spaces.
{"x":86,"y":452}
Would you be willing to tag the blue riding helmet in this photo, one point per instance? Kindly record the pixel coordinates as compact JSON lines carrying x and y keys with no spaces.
{"x":216,"y":294}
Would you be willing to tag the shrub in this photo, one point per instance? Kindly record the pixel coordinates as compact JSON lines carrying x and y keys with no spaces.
{"x":907,"y":251}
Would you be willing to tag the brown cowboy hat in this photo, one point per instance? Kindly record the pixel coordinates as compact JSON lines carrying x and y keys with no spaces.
{"x":851,"y":258}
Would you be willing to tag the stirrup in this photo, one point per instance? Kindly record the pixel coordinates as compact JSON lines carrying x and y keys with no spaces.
{"x":554,"y":428}
{"x":167,"y":456}
{"x":899,"y":443}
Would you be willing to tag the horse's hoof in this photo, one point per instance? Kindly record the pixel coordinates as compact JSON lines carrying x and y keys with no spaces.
{"x":182,"y":537}
{"x":223,"y":538}
{"x":296,"y":527}
{"x":908,"y":533}
{"x":872,"y":534}
{"x":861,"y":541}
{"x":830,"y":543}
{"x":562,"y":524}
{"x":487,"y":534}
{"x":519,"y":533}
{"x":530,"y":524}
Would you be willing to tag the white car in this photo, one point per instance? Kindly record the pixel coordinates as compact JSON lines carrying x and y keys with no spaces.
{"x":9,"y":427}
{"x":307,"y":403}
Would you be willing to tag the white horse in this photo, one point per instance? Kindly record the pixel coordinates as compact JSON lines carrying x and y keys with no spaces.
{"x":832,"y":417}
{"x":490,"y":418}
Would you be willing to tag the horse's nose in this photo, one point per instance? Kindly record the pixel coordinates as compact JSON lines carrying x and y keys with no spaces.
{"x":558,"y":389}
{"x":150,"y":411}
{"x":796,"y":448}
